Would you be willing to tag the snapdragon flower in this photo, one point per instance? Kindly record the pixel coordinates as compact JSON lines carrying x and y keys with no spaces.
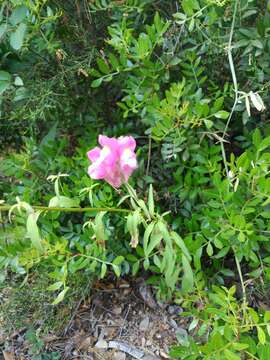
{"x":115,"y":161}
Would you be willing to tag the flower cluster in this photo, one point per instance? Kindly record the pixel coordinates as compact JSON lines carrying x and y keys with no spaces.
{"x":115,"y":161}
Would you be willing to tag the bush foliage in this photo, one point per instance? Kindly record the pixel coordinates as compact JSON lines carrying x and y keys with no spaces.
{"x":189,"y":81}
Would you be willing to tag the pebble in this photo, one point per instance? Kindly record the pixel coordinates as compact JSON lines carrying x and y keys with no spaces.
{"x":144,"y":324}
{"x":174,"y":310}
{"x":119,"y":355}
{"x":101,"y":344}
{"x":117,"y":310}
{"x":173,"y":323}
{"x":164,"y":354}
{"x":143,"y":342}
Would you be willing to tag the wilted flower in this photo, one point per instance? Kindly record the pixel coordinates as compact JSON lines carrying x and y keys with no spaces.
{"x":115,"y":161}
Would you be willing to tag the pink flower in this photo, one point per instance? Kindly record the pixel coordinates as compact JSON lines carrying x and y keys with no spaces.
{"x":115,"y":161}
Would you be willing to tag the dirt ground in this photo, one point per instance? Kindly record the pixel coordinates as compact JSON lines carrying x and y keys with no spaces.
{"x":118,"y":321}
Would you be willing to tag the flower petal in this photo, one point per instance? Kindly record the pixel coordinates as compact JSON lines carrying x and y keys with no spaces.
{"x":94,"y":154}
{"x":107,"y":141}
{"x":96,"y":172}
{"x":127,"y":142}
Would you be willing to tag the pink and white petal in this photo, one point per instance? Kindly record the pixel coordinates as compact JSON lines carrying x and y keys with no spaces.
{"x":107,"y":141}
{"x":127,"y":142}
{"x":128,"y":157}
{"x":114,"y":181}
{"x":94,"y":154}
{"x":127,"y":171}
{"x":96,"y":172}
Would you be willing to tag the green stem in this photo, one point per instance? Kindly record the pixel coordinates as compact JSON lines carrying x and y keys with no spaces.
{"x":235,"y":85}
{"x":242,"y":284}
{"x":70,"y":209}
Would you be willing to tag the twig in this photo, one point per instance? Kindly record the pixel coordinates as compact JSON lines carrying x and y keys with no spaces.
{"x":125,"y":318}
{"x":231,"y":63}
{"x":235,"y":85}
{"x":242,"y":283}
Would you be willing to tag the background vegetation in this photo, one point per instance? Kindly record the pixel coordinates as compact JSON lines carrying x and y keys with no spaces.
{"x":189,"y":80}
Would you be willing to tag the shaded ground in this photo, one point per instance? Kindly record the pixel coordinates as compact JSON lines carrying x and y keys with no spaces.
{"x":118,"y":321}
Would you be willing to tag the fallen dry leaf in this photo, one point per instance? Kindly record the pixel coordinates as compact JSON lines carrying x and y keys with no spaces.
{"x":8,"y":355}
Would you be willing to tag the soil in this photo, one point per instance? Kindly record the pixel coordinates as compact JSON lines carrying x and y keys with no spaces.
{"x":118,"y":321}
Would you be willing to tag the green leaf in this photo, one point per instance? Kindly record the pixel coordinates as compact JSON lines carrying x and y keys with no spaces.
{"x":18,"y":81}
{"x":63,"y":202}
{"x":3,"y":29}
{"x":96,"y":83}
{"x":230,"y":355}
{"x":55,"y":286}
{"x":3,"y":86}
{"x":18,"y":15}
{"x":208,"y":123}
{"x":103,"y":67}
{"x":265,"y":143}
{"x":257,"y":138}
{"x":117,"y":270}
{"x":146,"y":264}
{"x":118,"y":260}
{"x":209,"y":249}
{"x":264,"y":351}
{"x":60,"y":296}
{"x":17,"y":37}
{"x":151,"y":205}
{"x":266,"y":317}
{"x":189,"y":6}
{"x":261,"y":335}
{"x":99,"y":227}
{"x":103,"y":270}
{"x":180,"y":242}
{"x":222,"y":114}
{"x":187,"y":281}
{"x":268,"y":329}
{"x":155,"y":239}
{"x":5,"y":76}
{"x":114,"y":61}
{"x":240,"y":346}
{"x":146,"y":236}
{"x":32,"y":230}
{"x":222,"y":252}
{"x":135,"y":268}
{"x":191,"y":25}
{"x":142,"y":205}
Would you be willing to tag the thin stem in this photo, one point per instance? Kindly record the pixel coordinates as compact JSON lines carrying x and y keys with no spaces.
{"x":242,"y":282}
{"x":224,"y":159}
{"x":70,"y":209}
{"x":231,"y":63}
{"x":235,"y":85}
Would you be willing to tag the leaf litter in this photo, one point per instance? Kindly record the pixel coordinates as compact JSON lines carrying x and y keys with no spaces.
{"x":119,"y":320}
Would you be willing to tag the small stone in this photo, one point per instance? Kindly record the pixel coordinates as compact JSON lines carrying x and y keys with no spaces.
{"x":143,"y":342}
{"x":119,"y":355}
{"x":164,"y":354}
{"x":126,"y":292}
{"x":101,"y":344}
{"x":117,"y":310}
{"x":173,"y":323}
{"x":174,"y":310}
{"x":144,"y":324}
